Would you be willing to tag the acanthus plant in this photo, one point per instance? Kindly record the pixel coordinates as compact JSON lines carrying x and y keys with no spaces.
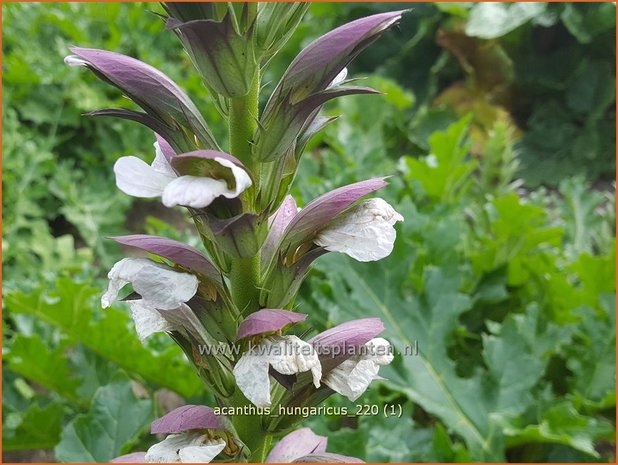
{"x":236,"y":299}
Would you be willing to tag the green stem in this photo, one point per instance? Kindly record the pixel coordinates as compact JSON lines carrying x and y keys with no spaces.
{"x":243,"y":123}
{"x":244,"y":280}
{"x":245,"y":273}
{"x":250,"y":430}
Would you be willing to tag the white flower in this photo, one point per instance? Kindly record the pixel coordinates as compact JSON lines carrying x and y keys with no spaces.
{"x":147,"y":320}
{"x":352,"y":377}
{"x":187,"y":447}
{"x":365,"y":232}
{"x":159,"y":286}
{"x":139,"y":179}
{"x":287,"y":355}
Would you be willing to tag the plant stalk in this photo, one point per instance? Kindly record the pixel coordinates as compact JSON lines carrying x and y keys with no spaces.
{"x":245,"y":272}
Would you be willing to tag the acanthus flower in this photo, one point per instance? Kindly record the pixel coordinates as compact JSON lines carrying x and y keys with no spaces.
{"x":304,"y":446}
{"x":352,"y":377}
{"x":336,"y":222}
{"x":287,"y":355}
{"x":159,"y":288}
{"x":365,"y":232}
{"x":198,"y":188}
{"x":351,"y":355}
{"x":194,"y":435}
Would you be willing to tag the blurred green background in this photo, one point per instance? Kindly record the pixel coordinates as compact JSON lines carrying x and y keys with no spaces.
{"x":498,"y":124}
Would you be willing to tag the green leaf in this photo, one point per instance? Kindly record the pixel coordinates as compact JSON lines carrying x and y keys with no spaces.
{"x":38,"y":428}
{"x":517,"y":233}
{"x":375,"y":437}
{"x":587,"y":21}
{"x":592,"y":89}
{"x":71,"y":308}
{"x":593,"y":359}
{"x":428,"y":378}
{"x":115,"y":419}
{"x":586,"y":228}
{"x":491,"y":20}
{"x":562,"y":424}
{"x":49,"y":367}
{"x":445,"y":174}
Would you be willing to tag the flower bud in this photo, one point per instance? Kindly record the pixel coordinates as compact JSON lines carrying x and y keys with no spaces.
{"x":225,"y":59}
{"x":167,"y":107}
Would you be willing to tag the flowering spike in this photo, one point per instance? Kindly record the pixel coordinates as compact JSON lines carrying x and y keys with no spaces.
{"x":259,"y":259}
{"x":267,"y":320}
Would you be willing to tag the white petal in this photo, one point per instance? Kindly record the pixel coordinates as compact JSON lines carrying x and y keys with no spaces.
{"x":121,"y":274}
{"x":339,"y":78}
{"x":160,"y":163}
{"x":365,"y":232}
{"x":381,"y":350}
{"x":202,"y":454}
{"x":190,"y":446}
{"x":193,"y":191}
{"x":147,"y":320}
{"x":166,"y":451}
{"x":74,"y":60}
{"x":290,"y":355}
{"x":159,"y":286}
{"x":251,"y":373}
{"x":287,"y":355}
{"x":137,"y":178}
{"x":352,"y":377}
{"x":243,"y":181}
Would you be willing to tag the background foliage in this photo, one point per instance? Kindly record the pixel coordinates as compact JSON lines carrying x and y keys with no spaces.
{"x":498,"y":122}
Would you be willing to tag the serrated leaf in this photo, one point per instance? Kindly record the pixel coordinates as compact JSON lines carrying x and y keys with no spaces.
{"x":115,"y":418}
{"x":39,"y":428}
{"x":70,"y":308}
{"x":471,"y":407}
{"x":428,"y":378}
{"x":49,"y":367}
{"x":562,"y":424}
